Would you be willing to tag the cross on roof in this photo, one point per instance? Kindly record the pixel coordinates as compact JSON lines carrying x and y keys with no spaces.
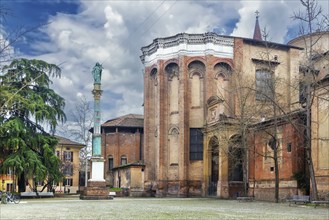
{"x":257,"y":34}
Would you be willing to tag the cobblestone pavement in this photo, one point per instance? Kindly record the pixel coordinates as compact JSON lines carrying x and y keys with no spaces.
{"x":156,"y":208}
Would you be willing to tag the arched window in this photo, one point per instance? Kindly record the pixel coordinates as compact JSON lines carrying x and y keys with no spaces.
{"x":173,"y":100}
{"x":172,"y":71}
{"x":154,"y":76}
{"x":173,"y":145}
{"x":223,"y":73}
{"x":153,"y":94}
{"x":196,"y":72}
{"x":196,"y":90}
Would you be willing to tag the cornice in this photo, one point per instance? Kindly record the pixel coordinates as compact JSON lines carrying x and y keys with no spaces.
{"x":187,"y":39}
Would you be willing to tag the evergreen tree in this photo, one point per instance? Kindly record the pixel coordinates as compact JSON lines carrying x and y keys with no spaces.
{"x":27,"y":103}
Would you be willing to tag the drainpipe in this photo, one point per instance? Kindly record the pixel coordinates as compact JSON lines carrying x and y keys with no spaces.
{"x":140,"y":146}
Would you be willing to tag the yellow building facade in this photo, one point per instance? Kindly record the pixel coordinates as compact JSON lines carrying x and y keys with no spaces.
{"x":69,"y":153}
{"x":320,"y":137}
{"x":7,"y":181}
{"x":318,"y":43}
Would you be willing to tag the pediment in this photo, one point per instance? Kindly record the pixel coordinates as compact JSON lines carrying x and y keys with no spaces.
{"x":213,"y":100}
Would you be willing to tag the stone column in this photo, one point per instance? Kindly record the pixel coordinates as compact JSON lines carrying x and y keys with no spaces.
{"x":96,"y":187}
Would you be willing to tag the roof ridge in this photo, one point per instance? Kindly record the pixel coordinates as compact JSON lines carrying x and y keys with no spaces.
{"x":70,"y":142}
{"x":130,"y":120}
{"x":138,"y":116}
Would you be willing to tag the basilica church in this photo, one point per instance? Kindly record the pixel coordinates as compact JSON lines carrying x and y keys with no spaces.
{"x":202,"y":92}
{"x":215,"y":108}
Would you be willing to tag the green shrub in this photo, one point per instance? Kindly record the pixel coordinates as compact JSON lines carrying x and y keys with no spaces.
{"x":113,"y":189}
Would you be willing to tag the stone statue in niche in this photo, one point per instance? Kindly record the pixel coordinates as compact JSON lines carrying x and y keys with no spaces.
{"x":213,"y":114}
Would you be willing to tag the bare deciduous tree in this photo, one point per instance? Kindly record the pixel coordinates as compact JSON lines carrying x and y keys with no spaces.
{"x":78,"y":129}
{"x":312,"y":20}
{"x":267,"y":86}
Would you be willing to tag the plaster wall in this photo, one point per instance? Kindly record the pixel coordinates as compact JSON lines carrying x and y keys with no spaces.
{"x":320,"y":143}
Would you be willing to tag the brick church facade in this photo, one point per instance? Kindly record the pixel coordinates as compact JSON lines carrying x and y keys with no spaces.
{"x":200,"y":92}
{"x":223,"y":117}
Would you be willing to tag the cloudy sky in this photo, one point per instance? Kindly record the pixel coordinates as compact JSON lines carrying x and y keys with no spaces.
{"x":80,"y":33}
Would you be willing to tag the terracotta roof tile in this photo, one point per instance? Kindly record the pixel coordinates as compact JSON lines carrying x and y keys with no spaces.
{"x":65,"y":141}
{"x":130,"y":120}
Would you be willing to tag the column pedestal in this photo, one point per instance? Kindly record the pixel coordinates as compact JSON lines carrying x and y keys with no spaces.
{"x":96,"y":187}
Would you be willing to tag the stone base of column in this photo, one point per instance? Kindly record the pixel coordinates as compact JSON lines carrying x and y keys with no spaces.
{"x":223,"y":189}
{"x":183,"y":189}
{"x":95,"y":190}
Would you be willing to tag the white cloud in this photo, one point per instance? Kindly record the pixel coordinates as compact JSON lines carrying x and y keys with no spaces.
{"x":275,"y":16}
{"x":115,"y":24}
{"x":112,"y":32}
{"x":246,"y":24}
{"x":6,"y":49}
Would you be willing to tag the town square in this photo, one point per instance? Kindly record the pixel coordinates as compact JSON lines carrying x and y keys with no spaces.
{"x":164,"y":109}
{"x":156,"y":208}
